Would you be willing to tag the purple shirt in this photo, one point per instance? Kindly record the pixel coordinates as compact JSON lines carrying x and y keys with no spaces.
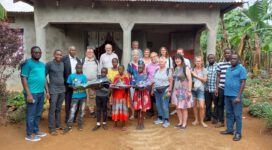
{"x":151,"y":69}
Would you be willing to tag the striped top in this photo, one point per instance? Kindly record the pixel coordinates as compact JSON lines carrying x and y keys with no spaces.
{"x":222,"y":68}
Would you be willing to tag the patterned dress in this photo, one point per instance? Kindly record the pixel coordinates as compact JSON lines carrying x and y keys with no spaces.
{"x":120,"y":100}
{"x":180,"y":97}
{"x":141,"y":98}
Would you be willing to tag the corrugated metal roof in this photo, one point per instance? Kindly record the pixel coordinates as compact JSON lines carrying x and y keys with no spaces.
{"x":182,"y":1}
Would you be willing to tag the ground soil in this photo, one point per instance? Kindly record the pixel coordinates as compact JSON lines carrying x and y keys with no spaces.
{"x":154,"y":137}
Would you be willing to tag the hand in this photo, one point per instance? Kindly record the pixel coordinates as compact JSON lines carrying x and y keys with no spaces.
{"x":237,"y":100}
{"x":168,"y":93}
{"x":29,"y":99}
{"x":216,"y":93}
{"x":194,"y":74}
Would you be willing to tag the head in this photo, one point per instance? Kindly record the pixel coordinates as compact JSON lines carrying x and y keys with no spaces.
{"x":141,"y":66}
{"x":104,"y":72}
{"x":198,"y":61}
{"x":162,"y":61}
{"x":72,"y":51}
{"x":79,"y":68}
{"x":154,"y":57}
{"x":121,"y":69}
{"x":227,"y":53}
{"x":147,"y":53}
{"x":135,"y":45}
{"x":58,"y":55}
{"x":108,"y":48}
{"x":114,"y":62}
{"x":180,"y":51}
{"x":179,"y":60}
{"x":135,"y":55}
{"x":211,"y":59}
{"x":235,"y":59}
{"x":89,"y":52}
{"x":164,"y":52}
{"x":36,"y":53}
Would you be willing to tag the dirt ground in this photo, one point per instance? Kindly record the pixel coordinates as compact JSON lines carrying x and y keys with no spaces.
{"x":154,"y":137}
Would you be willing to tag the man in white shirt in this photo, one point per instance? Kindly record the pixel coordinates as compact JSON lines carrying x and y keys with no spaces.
{"x":106,"y":58}
{"x":90,"y":69}
{"x":186,"y":61}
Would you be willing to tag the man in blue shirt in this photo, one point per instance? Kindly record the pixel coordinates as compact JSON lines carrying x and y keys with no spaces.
{"x":33,"y":81}
{"x":234,"y":85}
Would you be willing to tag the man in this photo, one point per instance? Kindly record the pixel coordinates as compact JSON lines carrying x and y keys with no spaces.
{"x":150,"y":71}
{"x":220,"y":84}
{"x":234,"y":85}
{"x":69,"y":62}
{"x":186,"y":61}
{"x":135,"y":46}
{"x":210,"y":89}
{"x":55,"y":69}
{"x":90,"y":70}
{"x":34,"y":82}
{"x":106,"y":58}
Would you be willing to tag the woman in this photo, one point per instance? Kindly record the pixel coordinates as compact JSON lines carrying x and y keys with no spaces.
{"x":132,"y":70}
{"x":199,"y":78}
{"x":182,"y":95}
{"x":146,"y":58}
{"x":162,"y":89}
{"x":169,"y":61}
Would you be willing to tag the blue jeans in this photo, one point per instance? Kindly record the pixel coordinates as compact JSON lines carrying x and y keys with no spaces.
{"x":54,"y":113}
{"x":162,"y":104}
{"x":77,"y":103}
{"x":33,"y":113}
{"x":233,"y":114}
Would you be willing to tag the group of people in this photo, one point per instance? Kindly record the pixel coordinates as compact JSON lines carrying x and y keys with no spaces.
{"x":172,"y":80}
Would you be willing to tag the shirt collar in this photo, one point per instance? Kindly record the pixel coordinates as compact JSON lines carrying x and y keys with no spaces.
{"x":71,"y":57}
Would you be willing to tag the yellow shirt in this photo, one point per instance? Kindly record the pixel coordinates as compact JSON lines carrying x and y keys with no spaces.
{"x":112,"y":73}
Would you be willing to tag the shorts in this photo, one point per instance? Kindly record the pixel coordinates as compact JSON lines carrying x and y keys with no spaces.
{"x":198,"y":94}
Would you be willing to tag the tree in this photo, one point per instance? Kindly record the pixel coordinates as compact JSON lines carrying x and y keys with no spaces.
{"x":11,"y":53}
{"x":3,"y":13}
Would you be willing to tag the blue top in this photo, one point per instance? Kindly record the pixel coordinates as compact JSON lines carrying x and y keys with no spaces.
{"x":34,"y":72}
{"x":233,"y":80}
{"x":140,"y":77}
{"x":78,"y":80}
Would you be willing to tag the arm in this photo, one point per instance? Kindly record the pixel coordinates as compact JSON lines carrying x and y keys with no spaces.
{"x":217,"y":83}
{"x":202,"y":79}
{"x":238,"y":100}
{"x":189,"y":77}
{"x":29,"y":97}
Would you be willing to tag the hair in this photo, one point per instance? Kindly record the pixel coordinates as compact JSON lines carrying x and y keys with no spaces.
{"x":121,"y":66}
{"x":210,"y":55}
{"x":199,"y":57}
{"x":146,"y":49}
{"x":104,"y":68}
{"x":79,"y":64}
{"x":239,"y":58}
{"x":89,"y":47}
{"x":34,"y":47}
{"x":178,"y":56}
{"x":57,"y":50}
{"x":135,"y":52}
{"x":228,"y":49}
{"x":115,"y":59}
{"x":167,"y":54}
{"x":162,"y":58}
{"x":154,"y":53}
{"x":180,"y":48}
{"x":133,"y":42}
{"x":72,"y":47}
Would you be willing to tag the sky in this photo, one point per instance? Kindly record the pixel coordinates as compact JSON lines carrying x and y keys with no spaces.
{"x":21,"y":6}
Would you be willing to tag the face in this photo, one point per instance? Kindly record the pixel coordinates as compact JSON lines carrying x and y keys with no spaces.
{"x":58,"y":56}
{"x":79,"y":69}
{"x":135,"y":45}
{"x":211,"y":59}
{"x":163,"y":52}
{"x":121,"y":70}
{"x":141,"y":68}
{"x":104,"y":72}
{"x":227,"y":54}
{"x":114,"y":63}
{"x":198,"y":62}
{"x":154,"y":58}
{"x":180,"y":51}
{"x":178,"y":61}
{"x":146,"y":53}
{"x":135,"y":57}
{"x":90,"y":53}
{"x":234,"y":60}
{"x":108,"y":48}
{"x":72,"y":51}
{"x":36,"y":53}
{"x":162,"y":63}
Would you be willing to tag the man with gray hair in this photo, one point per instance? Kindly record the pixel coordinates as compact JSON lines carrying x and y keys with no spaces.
{"x":135,"y":46}
{"x":106,"y":58}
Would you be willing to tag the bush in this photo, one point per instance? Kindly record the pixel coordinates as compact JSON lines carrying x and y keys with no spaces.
{"x":247,"y":102}
{"x":18,"y":115}
{"x":259,"y":109}
{"x":16,"y":99}
{"x":268,"y":118}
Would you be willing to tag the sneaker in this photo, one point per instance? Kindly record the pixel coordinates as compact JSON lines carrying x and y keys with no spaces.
{"x":173,"y":112}
{"x":53,"y":133}
{"x":41,"y":134}
{"x":166,"y":124}
{"x":96,"y":127}
{"x":32,"y":138}
{"x":158,"y":121}
{"x":66,"y":130}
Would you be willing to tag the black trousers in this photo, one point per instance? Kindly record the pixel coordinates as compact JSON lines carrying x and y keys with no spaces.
{"x":68,"y":101}
{"x":219,"y":105}
{"x":101,"y":107}
{"x":210,"y":99}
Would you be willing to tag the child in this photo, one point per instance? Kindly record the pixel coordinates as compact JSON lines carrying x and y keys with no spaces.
{"x":102,"y":98}
{"x":120,"y":99}
{"x":77,"y":81}
{"x":141,"y":98}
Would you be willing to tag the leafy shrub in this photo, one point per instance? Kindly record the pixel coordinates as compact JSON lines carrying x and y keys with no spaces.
{"x":247,"y":102}
{"x":16,"y":99}
{"x":246,"y":93}
{"x":259,"y":109}
{"x":18,"y":115}
{"x":268,"y":118}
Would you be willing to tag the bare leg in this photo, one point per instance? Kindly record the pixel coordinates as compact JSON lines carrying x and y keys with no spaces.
{"x":195,"y":113}
{"x":180,"y":116}
{"x":184,"y":117}
{"x":202,"y":113}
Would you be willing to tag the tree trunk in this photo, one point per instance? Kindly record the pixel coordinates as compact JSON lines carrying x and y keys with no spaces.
{"x":257,"y":54}
{"x":225,"y":33}
{"x":3,"y":100}
{"x":242,"y":46}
